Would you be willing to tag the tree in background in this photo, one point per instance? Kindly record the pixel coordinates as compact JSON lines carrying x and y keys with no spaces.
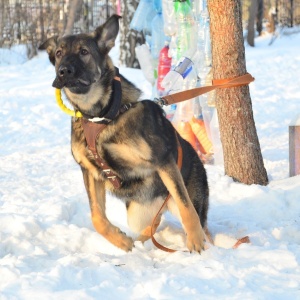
{"x":260,"y":16}
{"x":242,"y":154}
{"x":129,"y":39}
{"x":251,"y":22}
{"x":256,"y":12}
{"x":75,"y":6}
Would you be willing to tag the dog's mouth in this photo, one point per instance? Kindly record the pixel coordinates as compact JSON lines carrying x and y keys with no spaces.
{"x":73,"y":83}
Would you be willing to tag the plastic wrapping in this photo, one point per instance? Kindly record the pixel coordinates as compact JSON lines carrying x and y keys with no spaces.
{"x":169,"y":17}
{"x":157,"y":5}
{"x":164,"y":66}
{"x":173,"y":81}
{"x":186,"y":27}
{"x":143,"y":16}
{"x":145,"y":60}
{"x":158,"y":37}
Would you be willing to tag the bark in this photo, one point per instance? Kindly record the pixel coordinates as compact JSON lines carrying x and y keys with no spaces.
{"x":251,"y":23}
{"x":259,"y":18}
{"x":74,"y":5}
{"x":2,"y":21}
{"x":129,"y":39}
{"x":41,"y":17}
{"x":292,"y":13}
{"x":242,"y":154}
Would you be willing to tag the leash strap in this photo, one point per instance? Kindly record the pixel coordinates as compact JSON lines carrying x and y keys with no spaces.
{"x":154,"y":241}
{"x":216,"y":84}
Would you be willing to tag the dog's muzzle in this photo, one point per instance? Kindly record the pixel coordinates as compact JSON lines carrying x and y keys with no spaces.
{"x":65,"y":77}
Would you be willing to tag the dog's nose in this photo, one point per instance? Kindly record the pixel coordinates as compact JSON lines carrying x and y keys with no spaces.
{"x":65,"y":71}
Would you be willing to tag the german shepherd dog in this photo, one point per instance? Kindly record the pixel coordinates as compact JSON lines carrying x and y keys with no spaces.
{"x":139,"y":144}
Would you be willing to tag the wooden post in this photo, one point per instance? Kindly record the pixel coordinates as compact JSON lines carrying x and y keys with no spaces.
{"x":294,"y":143}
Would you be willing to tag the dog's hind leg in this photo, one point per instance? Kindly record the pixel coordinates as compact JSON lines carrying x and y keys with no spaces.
{"x":172,"y":179}
{"x":96,"y":194}
{"x":199,"y":194}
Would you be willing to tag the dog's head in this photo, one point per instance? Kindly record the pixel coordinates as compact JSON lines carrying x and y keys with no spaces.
{"x":81,"y":60}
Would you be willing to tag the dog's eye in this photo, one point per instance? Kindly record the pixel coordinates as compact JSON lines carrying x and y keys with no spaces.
{"x":84,"y":52}
{"x":58,"y":53}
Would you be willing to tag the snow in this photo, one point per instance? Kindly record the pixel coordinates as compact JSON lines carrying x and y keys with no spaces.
{"x":49,"y":249}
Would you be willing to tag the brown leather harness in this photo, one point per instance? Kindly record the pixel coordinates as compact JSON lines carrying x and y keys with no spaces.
{"x":91,"y":132}
{"x":92,"y":127}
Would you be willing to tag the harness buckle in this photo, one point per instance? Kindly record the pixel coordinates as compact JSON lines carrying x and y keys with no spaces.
{"x":160,"y":101}
{"x":100,"y":120}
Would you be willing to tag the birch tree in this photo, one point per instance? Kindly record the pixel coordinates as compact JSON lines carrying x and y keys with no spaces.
{"x":129,"y":38}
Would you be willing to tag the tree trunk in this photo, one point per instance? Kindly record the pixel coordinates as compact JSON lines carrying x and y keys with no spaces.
{"x":292,"y":13}
{"x":242,"y":155}
{"x":251,"y":22}
{"x":2,"y":21}
{"x":41,"y":19}
{"x":260,"y":16}
{"x":129,"y":39}
{"x":74,"y":5}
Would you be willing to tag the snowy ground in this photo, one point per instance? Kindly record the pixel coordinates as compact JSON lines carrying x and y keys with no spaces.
{"x":49,"y":249}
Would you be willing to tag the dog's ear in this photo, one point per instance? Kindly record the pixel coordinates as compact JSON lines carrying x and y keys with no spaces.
{"x":50,"y":46}
{"x":106,"y":34}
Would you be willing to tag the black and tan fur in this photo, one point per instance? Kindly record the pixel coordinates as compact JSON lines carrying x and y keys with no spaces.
{"x":139,"y":145}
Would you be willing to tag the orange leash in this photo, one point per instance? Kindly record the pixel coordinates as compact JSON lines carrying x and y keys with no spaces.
{"x":216,"y":84}
{"x":190,"y":94}
{"x":155,"y":242}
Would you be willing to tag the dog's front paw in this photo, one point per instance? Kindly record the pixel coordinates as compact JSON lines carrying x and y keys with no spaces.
{"x":122,"y":241}
{"x":112,"y":233}
{"x":195,"y":240}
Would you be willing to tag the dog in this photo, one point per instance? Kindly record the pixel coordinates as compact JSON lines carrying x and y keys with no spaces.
{"x":137,"y":145}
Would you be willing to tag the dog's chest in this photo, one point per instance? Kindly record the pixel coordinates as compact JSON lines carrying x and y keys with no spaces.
{"x":125,"y":155}
{"x":132,"y":157}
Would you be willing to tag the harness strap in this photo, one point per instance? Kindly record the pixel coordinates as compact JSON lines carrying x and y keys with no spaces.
{"x":93,"y":127}
{"x":179,"y":165}
{"x":91,"y":132}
